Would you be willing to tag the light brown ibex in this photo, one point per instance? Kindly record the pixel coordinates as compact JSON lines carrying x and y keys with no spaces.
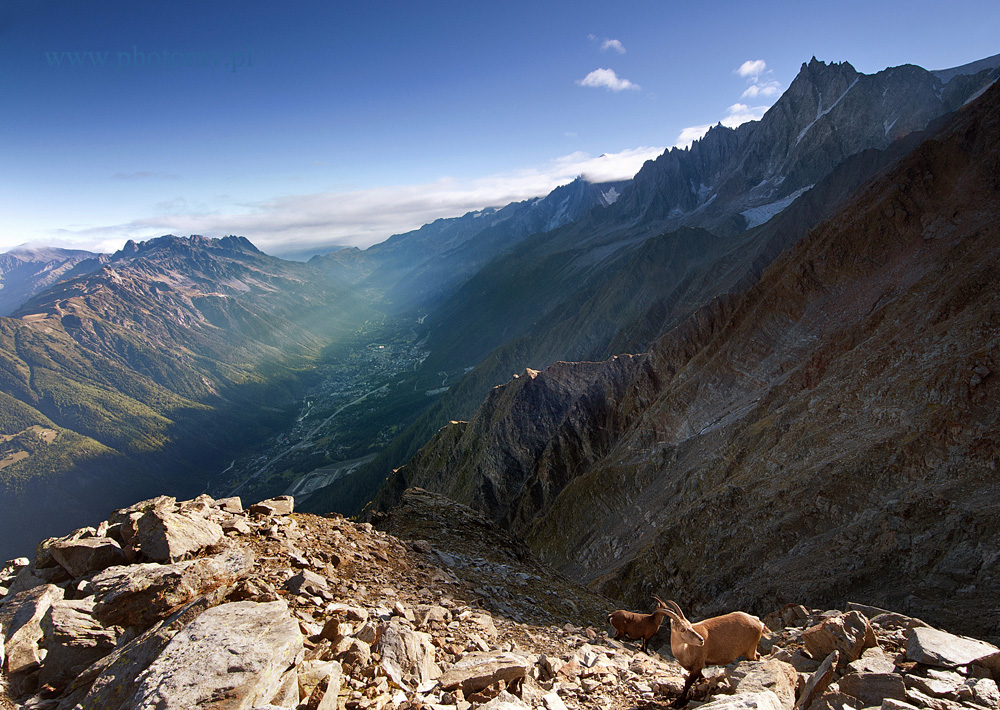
{"x":713,"y":642}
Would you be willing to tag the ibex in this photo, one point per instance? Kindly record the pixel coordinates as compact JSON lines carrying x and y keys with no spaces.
{"x":713,"y":642}
{"x":636,"y":626}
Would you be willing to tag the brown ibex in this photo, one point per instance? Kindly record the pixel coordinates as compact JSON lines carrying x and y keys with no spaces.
{"x":713,"y":642}
{"x":636,"y":626}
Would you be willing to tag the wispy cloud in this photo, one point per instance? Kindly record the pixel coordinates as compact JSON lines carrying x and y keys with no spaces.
{"x":359,"y":217}
{"x":767,"y":89}
{"x":751,"y":69}
{"x":608,"y":43}
{"x":763,"y":86}
{"x":736,"y":115}
{"x":612,"y":44}
{"x":607,"y":79}
{"x":761,"y":79}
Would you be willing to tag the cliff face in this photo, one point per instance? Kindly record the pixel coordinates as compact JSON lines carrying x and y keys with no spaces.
{"x":829,"y":430}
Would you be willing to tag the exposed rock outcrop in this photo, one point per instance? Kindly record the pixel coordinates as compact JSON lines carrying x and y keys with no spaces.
{"x":450,"y":614}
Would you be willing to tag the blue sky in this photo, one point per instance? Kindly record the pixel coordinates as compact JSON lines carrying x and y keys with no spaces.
{"x":305,"y":122}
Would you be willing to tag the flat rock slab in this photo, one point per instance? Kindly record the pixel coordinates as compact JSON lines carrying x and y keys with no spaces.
{"x":477,"y":671}
{"x":939,"y":648}
{"x":140,"y":595}
{"x":233,"y":656}
{"x":282,"y":505}
{"x":873,"y":660}
{"x":21,"y":619}
{"x":766,"y":700}
{"x":109,"y":683}
{"x":873,"y":688}
{"x":167,"y":537}
{"x":92,"y":554}
{"x":757,"y":676}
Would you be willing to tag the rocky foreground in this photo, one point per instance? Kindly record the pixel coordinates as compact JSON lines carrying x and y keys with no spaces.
{"x":205,"y":604}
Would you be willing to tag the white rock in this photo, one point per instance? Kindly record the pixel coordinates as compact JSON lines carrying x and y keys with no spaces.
{"x":553,"y":702}
{"x":407,"y":656}
{"x":744,"y":701}
{"x":234,"y":654}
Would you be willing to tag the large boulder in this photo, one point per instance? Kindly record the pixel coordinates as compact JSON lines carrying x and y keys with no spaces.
{"x":140,"y":595}
{"x":477,"y":671}
{"x":92,"y":554}
{"x":282,"y":505}
{"x":407,"y":656}
{"x":73,"y":639}
{"x":233,"y":656}
{"x":768,"y":674}
{"x":850,"y":634}
{"x":109,"y":683}
{"x":163,"y":536}
{"x":21,"y":620}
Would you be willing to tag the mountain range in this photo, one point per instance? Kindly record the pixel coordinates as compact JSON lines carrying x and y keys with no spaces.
{"x":615,"y":280}
{"x":780,"y":341}
{"x":844,"y":397}
{"x":150,"y":371}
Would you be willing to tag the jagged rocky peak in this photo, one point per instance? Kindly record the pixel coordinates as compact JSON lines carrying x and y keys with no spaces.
{"x":184,"y":245}
{"x":829,"y":112}
{"x":175,"y":605}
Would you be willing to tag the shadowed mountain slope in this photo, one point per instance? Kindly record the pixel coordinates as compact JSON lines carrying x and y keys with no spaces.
{"x":624,"y":275}
{"x":846,"y":397}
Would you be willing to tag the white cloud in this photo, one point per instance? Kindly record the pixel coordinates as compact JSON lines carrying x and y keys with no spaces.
{"x":760,"y":78}
{"x":751,"y":69}
{"x":690,"y":134}
{"x":766,"y":89}
{"x":613,"y":44}
{"x":359,"y":217}
{"x":606,"y":78}
{"x":736,"y":115}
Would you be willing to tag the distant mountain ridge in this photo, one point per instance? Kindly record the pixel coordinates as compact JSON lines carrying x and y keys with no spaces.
{"x":26,"y":271}
{"x":148,"y":372}
{"x":417,"y":269}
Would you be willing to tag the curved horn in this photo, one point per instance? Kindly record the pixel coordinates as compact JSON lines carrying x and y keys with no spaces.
{"x":662,"y":604}
{"x":677,"y":608}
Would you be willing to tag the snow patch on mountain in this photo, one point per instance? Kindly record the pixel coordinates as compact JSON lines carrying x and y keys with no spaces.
{"x":820,"y":112}
{"x":757,"y":216}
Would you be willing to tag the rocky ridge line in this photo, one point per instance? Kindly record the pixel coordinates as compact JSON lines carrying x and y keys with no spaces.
{"x":201,"y":603}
